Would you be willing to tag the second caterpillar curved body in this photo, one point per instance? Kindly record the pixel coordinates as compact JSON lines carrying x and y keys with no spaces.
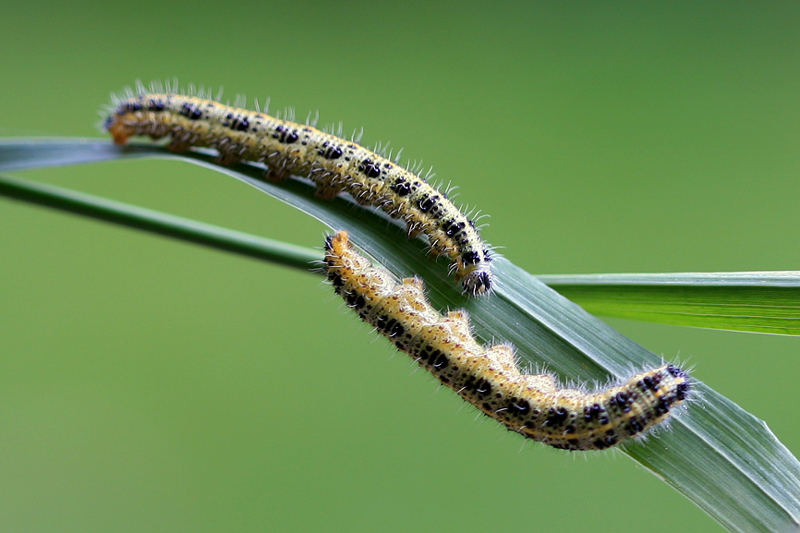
{"x":489,"y":378}
{"x":334,"y":164}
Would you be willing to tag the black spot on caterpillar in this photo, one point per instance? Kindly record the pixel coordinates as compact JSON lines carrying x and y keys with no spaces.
{"x":490,"y":378}
{"x":334,"y":164}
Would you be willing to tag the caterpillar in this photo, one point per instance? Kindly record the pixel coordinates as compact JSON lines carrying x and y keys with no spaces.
{"x":334,"y":164}
{"x":490,"y":378}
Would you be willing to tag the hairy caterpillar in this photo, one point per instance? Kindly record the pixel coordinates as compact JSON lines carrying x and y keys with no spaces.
{"x":334,"y":164}
{"x":489,"y":378}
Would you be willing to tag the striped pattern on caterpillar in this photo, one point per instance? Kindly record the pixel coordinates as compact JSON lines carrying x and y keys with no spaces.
{"x":334,"y":164}
{"x":489,"y":378}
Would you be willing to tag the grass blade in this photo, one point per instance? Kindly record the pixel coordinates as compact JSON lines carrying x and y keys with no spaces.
{"x":719,"y":456}
{"x":159,"y":223}
{"x":756,"y":302}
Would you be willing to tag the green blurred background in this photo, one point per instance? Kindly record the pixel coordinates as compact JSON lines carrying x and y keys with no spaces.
{"x":151,"y":385}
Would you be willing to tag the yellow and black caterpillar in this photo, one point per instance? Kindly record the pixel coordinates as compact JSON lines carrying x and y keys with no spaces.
{"x":334,"y":164}
{"x":490,"y":378}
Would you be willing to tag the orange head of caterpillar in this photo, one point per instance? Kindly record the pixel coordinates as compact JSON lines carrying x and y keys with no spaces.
{"x":114,"y":126}
{"x":335,"y":249}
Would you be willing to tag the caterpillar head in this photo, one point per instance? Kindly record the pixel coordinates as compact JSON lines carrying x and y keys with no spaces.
{"x":478,"y":281}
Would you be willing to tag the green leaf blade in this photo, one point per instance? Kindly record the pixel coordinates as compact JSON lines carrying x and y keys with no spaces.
{"x":719,"y":456}
{"x":754,"y":302}
{"x":159,"y":223}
